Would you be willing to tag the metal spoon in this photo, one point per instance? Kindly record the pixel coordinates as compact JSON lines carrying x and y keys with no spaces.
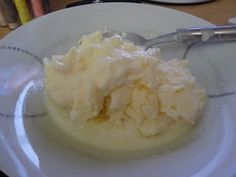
{"x":188,"y":36}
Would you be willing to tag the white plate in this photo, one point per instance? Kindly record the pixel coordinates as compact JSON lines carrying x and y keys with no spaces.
{"x":232,"y":21}
{"x":27,"y":149}
{"x":181,"y":1}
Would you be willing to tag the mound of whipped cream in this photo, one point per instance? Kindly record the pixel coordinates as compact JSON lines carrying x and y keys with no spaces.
{"x":116,"y":81}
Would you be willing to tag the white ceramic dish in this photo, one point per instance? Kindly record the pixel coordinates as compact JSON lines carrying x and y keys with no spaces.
{"x":181,"y":1}
{"x":232,"y":21}
{"x":27,"y":149}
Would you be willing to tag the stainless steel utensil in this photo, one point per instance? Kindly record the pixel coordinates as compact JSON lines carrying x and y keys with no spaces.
{"x":182,"y":35}
{"x":188,"y":36}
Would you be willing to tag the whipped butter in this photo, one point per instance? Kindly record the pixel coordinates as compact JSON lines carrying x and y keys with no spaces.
{"x":118,"y":82}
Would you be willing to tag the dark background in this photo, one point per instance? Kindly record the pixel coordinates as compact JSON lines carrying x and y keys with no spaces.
{"x":2,"y":174}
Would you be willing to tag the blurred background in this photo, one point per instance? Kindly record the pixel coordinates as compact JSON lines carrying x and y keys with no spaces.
{"x":14,"y":13}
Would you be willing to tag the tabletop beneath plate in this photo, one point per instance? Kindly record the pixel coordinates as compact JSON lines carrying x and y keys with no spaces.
{"x":217,"y":11}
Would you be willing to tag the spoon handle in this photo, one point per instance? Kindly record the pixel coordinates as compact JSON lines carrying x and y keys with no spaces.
{"x":206,"y":34}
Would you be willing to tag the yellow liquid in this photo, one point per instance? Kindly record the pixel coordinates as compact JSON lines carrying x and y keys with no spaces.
{"x":101,"y":139}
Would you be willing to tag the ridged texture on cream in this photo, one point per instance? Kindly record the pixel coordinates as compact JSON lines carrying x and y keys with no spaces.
{"x":114,"y":80}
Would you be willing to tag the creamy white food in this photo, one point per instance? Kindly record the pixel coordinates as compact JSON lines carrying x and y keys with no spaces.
{"x":126,"y":87}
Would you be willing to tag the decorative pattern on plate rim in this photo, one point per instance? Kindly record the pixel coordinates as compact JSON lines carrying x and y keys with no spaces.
{"x":225,"y":94}
{"x":25,"y":116}
{"x":24,"y":51}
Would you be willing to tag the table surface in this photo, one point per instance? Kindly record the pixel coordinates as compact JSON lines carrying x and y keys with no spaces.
{"x":217,"y":11}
